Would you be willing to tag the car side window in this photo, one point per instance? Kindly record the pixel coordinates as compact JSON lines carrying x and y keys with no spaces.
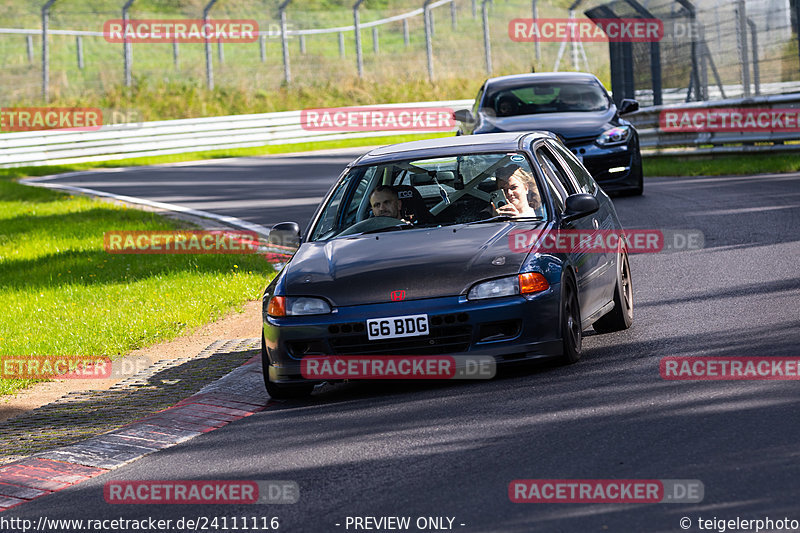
{"x":581,"y":175}
{"x":477,"y":103}
{"x":327,"y":221}
{"x":552,"y":165}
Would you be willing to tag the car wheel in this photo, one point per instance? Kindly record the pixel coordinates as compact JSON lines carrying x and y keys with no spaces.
{"x":281,"y":392}
{"x":621,"y":317}
{"x":571,"y":331}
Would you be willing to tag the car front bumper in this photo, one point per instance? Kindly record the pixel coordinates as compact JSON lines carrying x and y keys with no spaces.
{"x":513,"y":328}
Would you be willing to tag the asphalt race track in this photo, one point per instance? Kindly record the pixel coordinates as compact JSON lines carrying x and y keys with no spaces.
{"x":419,"y":450}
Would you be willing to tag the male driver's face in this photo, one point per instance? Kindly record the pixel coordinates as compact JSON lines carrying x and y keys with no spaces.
{"x":385,"y":204}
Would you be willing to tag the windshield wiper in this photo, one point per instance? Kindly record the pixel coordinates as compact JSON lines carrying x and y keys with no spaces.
{"x":404,"y":225}
{"x":500,"y":218}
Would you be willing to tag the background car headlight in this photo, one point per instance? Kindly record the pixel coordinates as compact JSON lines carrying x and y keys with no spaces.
{"x":617,"y":135}
{"x":297,"y":306}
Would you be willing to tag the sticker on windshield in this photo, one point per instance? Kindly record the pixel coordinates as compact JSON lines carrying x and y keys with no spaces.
{"x":517,"y":158}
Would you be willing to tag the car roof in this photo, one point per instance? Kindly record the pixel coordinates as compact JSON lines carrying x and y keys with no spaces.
{"x":444,"y":146}
{"x":558,"y":77}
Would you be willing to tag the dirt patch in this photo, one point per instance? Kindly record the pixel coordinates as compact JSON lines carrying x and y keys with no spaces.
{"x":235,"y":325}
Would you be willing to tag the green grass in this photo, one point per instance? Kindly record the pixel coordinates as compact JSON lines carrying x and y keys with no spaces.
{"x":721,"y":164}
{"x":62,"y":294}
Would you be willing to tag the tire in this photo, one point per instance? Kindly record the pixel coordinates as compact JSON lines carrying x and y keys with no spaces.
{"x":281,"y":392}
{"x":571,"y":331}
{"x":621,"y":317}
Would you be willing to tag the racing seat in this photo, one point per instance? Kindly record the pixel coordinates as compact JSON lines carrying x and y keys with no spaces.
{"x":414,"y":209}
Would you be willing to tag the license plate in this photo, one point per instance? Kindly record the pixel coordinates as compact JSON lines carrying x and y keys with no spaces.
{"x":397,"y":326}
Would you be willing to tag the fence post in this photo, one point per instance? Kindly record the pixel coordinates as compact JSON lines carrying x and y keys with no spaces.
{"x":405,"y":33}
{"x":29,"y":46}
{"x":341,"y":44}
{"x":357,"y":30}
{"x":126,"y":46}
{"x":209,"y":65}
{"x":487,"y":44}
{"x":375,"y":39}
{"x":220,"y":52}
{"x":428,"y":31}
{"x":287,"y":74}
{"x":754,"y":45}
{"x":175,"y":56}
{"x":79,"y":46}
{"x":302,"y":39}
{"x":453,"y":14}
{"x":741,"y":44}
{"x":474,"y":9}
{"x":262,"y":48}
{"x":45,"y":51}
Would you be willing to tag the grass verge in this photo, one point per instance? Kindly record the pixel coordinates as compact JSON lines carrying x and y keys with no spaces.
{"x":62,"y":294}
{"x":721,"y":164}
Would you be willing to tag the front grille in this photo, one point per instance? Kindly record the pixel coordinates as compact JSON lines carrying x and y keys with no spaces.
{"x":445,"y":339}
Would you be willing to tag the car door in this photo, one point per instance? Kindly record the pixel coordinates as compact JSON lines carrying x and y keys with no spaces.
{"x":606,"y":216}
{"x":589,"y":266}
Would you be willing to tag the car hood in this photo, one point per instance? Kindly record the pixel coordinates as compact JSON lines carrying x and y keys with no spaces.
{"x":567,"y":125}
{"x":425,"y":263}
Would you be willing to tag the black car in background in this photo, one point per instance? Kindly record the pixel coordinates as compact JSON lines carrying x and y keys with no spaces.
{"x":573,"y":105}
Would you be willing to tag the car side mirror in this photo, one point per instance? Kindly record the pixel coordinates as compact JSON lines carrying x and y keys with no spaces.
{"x":579,"y":205}
{"x":285,"y":234}
{"x":463,"y":115}
{"x":628,"y":105}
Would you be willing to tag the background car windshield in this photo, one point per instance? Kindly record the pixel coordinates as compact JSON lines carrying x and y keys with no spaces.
{"x":430,"y":192}
{"x":547,"y":98}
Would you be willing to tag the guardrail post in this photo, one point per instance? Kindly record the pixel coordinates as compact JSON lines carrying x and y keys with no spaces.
{"x":474,"y":9}
{"x":126,"y":46}
{"x":79,"y":47}
{"x":29,"y":46}
{"x":741,"y":45}
{"x":453,"y":14}
{"x":287,"y":73}
{"x":754,"y":45}
{"x":357,"y":31}
{"x":341,"y":44}
{"x":220,"y":52}
{"x":209,"y":65}
{"x":175,"y":55}
{"x":262,"y":48}
{"x":487,"y":44}
{"x":45,"y":51}
{"x":537,"y":47}
{"x":405,"y":33}
{"x":375,"y":39}
{"x":302,"y":39}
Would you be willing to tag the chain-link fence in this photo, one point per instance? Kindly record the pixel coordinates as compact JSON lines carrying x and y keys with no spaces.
{"x":708,"y":49}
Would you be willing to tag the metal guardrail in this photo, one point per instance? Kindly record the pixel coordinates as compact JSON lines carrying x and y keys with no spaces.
{"x":242,"y":131}
{"x":655,"y":141}
{"x":34,"y":148}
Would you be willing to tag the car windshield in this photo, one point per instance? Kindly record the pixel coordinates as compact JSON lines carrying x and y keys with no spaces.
{"x":408,"y":194}
{"x":546,"y":97}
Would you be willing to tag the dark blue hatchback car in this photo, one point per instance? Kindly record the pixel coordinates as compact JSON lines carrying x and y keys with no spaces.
{"x":430,"y":231}
{"x":573,"y":105}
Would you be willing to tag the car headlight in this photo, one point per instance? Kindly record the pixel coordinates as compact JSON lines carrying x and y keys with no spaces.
{"x":297,"y":306}
{"x":526,"y":283}
{"x":617,"y":135}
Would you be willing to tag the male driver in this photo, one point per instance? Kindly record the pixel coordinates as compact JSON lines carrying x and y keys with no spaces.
{"x":385,"y":203}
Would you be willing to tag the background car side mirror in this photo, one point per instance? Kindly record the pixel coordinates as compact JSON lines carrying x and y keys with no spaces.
{"x":628,"y":105}
{"x":579,"y":205}
{"x":285,"y":234}
{"x":464,"y":115}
